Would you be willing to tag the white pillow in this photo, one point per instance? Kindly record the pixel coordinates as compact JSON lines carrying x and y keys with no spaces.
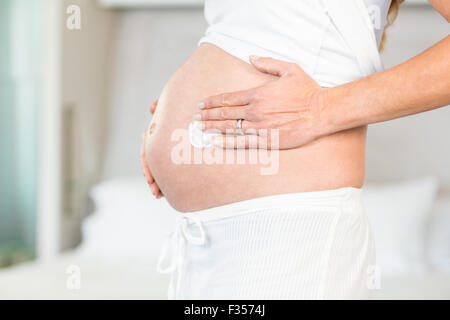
{"x":128,"y":220}
{"x":399,"y":213}
{"x":439,"y":240}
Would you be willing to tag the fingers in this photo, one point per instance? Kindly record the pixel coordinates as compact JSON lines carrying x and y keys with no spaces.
{"x":241,"y":142}
{"x":144,"y":166}
{"x":224,"y":113}
{"x":146,"y":170}
{"x":155,"y":189}
{"x":159,"y":195}
{"x":238,"y":98}
{"x":227,"y":127}
{"x":272,"y":66}
{"x":147,"y":174}
{"x":153,"y":107}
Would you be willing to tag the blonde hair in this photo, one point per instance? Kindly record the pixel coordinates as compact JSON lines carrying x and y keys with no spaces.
{"x":392,"y":15}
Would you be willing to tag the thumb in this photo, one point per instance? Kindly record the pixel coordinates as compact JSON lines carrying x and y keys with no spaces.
{"x":272,"y":66}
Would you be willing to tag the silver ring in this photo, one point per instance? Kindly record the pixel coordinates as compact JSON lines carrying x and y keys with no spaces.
{"x":239,"y":126}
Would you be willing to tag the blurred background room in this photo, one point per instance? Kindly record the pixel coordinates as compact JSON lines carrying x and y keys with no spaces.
{"x":77,"y":220}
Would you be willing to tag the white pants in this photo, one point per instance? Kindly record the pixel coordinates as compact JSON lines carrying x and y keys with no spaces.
{"x":314,"y":245}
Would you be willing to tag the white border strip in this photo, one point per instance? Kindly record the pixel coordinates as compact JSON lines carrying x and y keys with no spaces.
{"x":49,"y":128}
{"x":151,"y":3}
{"x":183,"y":3}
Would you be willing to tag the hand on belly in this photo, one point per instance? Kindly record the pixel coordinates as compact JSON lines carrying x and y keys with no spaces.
{"x":328,"y":163}
{"x":144,"y":164}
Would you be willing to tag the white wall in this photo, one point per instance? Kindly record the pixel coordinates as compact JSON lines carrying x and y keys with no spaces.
{"x":416,"y":145}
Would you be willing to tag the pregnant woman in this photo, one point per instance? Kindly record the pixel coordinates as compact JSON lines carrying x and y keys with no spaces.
{"x":287,"y":222}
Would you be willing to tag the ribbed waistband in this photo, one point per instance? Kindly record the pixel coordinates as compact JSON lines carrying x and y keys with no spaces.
{"x":336,"y":198}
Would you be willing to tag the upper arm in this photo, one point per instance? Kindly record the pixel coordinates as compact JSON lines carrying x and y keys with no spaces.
{"x":443,"y":7}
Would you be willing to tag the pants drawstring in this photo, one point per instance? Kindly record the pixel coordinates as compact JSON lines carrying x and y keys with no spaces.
{"x":176,"y":243}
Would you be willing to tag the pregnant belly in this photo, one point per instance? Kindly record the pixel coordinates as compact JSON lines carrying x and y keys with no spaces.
{"x":195,"y":179}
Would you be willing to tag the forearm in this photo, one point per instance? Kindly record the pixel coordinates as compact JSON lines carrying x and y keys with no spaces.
{"x":420,"y":84}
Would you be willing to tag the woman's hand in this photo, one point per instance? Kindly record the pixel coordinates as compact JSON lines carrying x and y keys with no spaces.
{"x":303,"y":112}
{"x":144,"y":165}
{"x":292,"y":104}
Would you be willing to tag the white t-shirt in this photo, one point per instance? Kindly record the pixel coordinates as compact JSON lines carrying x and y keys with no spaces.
{"x":299,"y":31}
{"x":331,"y":40}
